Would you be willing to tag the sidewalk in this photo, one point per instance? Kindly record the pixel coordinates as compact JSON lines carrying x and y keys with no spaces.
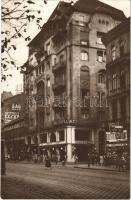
{"x":78,"y":165}
{"x":96,"y":167}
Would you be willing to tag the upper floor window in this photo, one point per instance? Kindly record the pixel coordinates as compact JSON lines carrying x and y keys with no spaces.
{"x":37,"y":72}
{"x":114,"y":81}
{"x":113,"y":52}
{"x":48,"y":48}
{"x":122,"y":79}
{"x":121,"y":48}
{"x":48,"y":65}
{"x":101,"y":97}
{"x":101,"y":76}
{"x":84,"y":37}
{"x":43,"y":67}
{"x":84,"y":55}
{"x":31,"y":78}
{"x":84,"y":42}
{"x":61,"y":59}
{"x":55,"y":61}
{"x":99,"y":37}
{"x":100,"y":56}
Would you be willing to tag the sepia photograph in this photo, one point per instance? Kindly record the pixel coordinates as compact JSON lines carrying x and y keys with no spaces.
{"x":65,"y":99}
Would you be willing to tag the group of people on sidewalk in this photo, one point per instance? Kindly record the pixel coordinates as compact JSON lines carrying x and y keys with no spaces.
{"x":120,"y":161}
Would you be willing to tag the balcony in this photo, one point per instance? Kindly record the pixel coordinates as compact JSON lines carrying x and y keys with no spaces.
{"x":58,"y":122}
{"x":59,"y":66}
{"x":59,"y":85}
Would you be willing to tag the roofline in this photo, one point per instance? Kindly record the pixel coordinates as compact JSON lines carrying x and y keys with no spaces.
{"x":118,"y":30}
{"x":75,"y":9}
{"x":14,"y":96}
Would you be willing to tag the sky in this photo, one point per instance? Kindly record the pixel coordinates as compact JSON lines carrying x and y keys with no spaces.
{"x":21,"y":55}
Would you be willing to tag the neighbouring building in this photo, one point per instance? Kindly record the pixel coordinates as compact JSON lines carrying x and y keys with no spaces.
{"x":14,"y":124}
{"x":4,"y":95}
{"x":118,"y":86}
{"x":64,"y":79}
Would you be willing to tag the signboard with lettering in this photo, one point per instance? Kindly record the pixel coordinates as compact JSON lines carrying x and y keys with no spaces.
{"x":118,"y":135}
{"x":9,"y":116}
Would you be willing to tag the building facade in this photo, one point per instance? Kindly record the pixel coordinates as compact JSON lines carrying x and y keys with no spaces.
{"x":64,"y":79}
{"x":14,"y":127}
{"x":118,"y":85}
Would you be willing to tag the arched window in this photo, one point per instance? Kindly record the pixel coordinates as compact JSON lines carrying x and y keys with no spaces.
{"x":84,"y":55}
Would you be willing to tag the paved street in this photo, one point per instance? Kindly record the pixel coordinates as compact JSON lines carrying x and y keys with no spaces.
{"x":35,"y":181}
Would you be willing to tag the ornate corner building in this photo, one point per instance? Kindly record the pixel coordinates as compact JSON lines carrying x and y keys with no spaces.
{"x":65,"y":80}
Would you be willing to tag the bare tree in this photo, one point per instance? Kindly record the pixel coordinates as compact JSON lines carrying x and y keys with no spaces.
{"x":16,"y":15}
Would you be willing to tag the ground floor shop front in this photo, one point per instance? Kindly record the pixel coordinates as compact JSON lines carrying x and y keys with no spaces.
{"x":58,"y":143}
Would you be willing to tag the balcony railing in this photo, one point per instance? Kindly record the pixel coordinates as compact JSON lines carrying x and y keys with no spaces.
{"x":59,"y":122}
{"x":60,"y":84}
{"x":60,"y":65}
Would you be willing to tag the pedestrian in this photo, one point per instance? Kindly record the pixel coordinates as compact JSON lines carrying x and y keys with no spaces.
{"x":101,"y":160}
{"x":88,"y":159}
{"x":63,"y":160}
{"x":55,"y":159}
{"x":76,"y":159}
{"x":47,"y":162}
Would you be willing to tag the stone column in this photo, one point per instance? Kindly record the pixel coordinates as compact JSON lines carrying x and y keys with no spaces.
{"x":57,"y":136}
{"x":92,"y":136}
{"x":48,"y":137}
{"x":38,"y":136}
{"x":70,"y":136}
